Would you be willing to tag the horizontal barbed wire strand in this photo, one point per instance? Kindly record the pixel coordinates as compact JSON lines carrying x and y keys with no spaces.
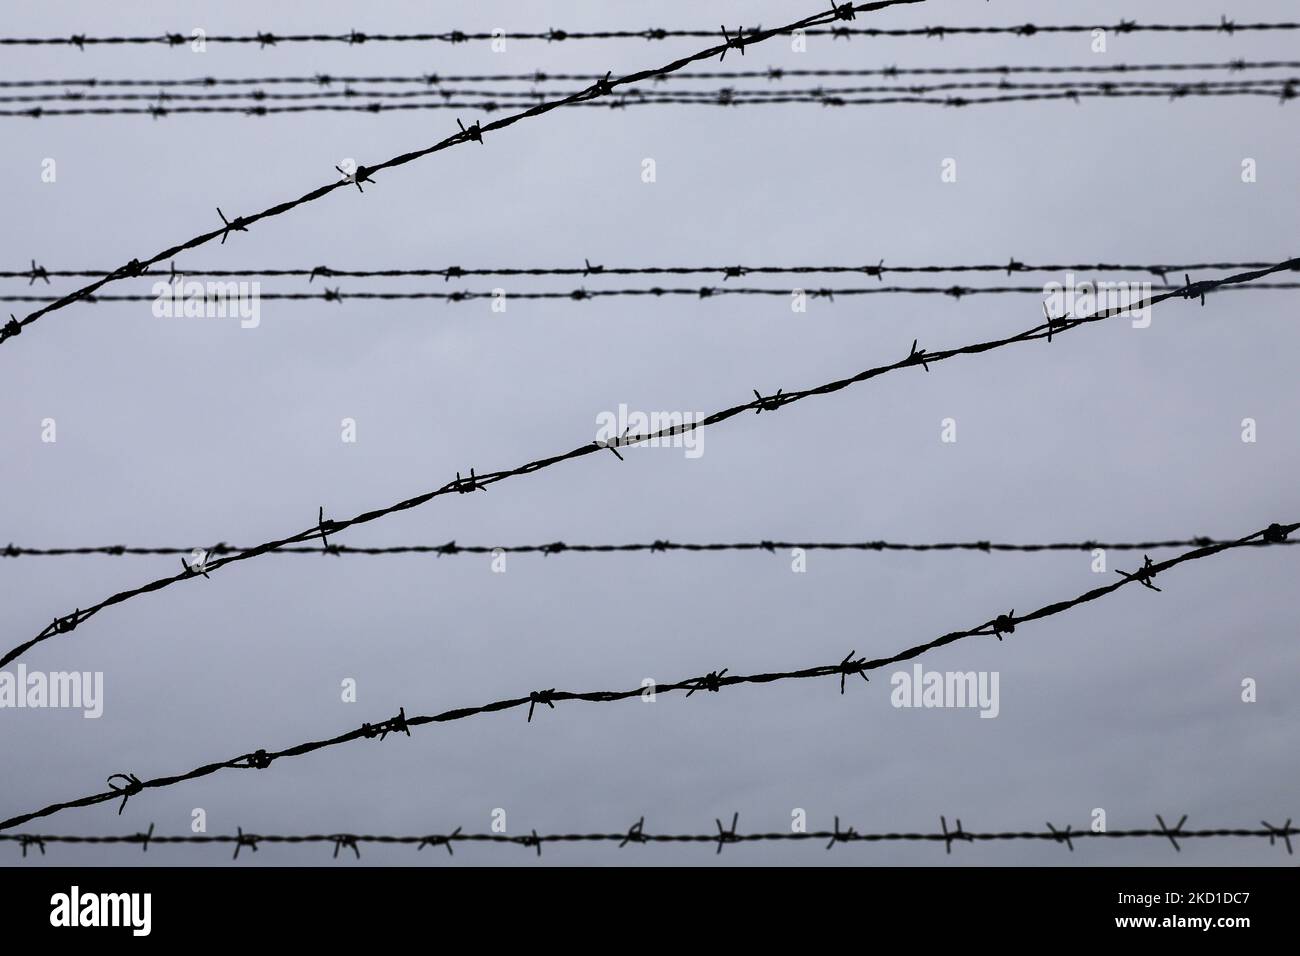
{"x":771,"y":73}
{"x":474,"y":133}
{"x":1003,"y":624}
{"x":1284,"y":93}
{"x":267,"y":39}
{"x":261,"y":96}
{"x":476,"y":482}
{"x":1064,"y":835}
{"x":579,"y":295}
{"x":560,"y":547}
{"x":879,"y":268}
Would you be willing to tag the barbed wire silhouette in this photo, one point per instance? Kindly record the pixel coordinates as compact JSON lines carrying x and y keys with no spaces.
{"x":1283,"y":94}
{"x":637,"y":834}
{"x":658,"y":545}
{"x":338,"y":295}
{"x":162,"y":96}
{"x":124,"y":786}
{"x":875,"y":269}
{"x":771,"y":73}
{"x":1053,"y":327}
{"x":266,"y":39}
{"x":473,"y":133}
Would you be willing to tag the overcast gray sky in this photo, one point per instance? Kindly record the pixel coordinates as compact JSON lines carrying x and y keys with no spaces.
{"x":187,"y":432}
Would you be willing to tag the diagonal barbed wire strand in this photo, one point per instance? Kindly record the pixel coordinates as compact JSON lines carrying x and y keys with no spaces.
{"x":1283,"y":94}
{"x":583,"y":294}
{"x":266,"y":39}
{"x":480,"y":482}
{"x":771,"y":73}
{"x":124,"y":786}
{"x":1063,"y":836}
{"x":874,"y":269}
{"x":658,"y":545}
{"x":473,"y":133}
{"x":262,"y":96}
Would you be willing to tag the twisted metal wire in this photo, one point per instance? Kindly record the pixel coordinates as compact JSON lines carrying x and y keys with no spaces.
{"x":636,"y":834}
{"x":875,"y":269}
{"x":583,"y":294}
{"x":473,"y":133}
{"x":771,"y":73}
{"x":658,"y":545}
{"x":1284,"y":93}
{"x":481,"y":482}
{"x":266,"y":39}
{"x":162,"y":96}
{"x":124,"y":786}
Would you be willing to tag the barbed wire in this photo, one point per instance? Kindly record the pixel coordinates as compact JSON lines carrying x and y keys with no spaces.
{"x":480,"y":482}
{"x":658,"y":545}
{"x":876,"y":269}
{"x":124,"y":786}
{"x":583,"y":294}
{"x":473,"y":133}
{"x":819,"y":92}
{"x":771,"y":73}
{"x":1062,"y":836}
{"x":266,"y":39}
{"x":1284,"y":94}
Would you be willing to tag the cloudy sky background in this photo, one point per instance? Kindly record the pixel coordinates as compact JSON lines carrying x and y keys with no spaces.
{"x":186,"y":432}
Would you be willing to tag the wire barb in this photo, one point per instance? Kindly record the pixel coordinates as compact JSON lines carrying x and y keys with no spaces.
{"x":915,"y":357}
{"x":539,"y":697}
{"x":1194,"y":290}
{"x":362,"y":175}
{"x":440,"y":841}
{"x":473,"y":132}
{"x":1143,"y":575}
{"x":129,"y":788}
{"x":258,"y":760}
{"x":850,"y":666}
{"x":348,"y":841}
{"x":710,"y":682}
{"x":326,"y":526}
{"x":1062,"y":837}
{"x":236,"y":225}
{"x":1275,"y":534}
{"x":242,"y":840}
{"x":844,"y":837}
{"x":728,"y":835}
{"x":1054,"y":323}
{"x":144,"y":838}
{"x":634,"y":834}
{"x":533,"y":841}
{"x":394,"y":725}
{"x":1274,"y":833}
{"x":198,"y":567}
{"x":465,"y":485}
{"x":769,"y":404}
{"x":950,"y":836}
{"x":732,"y":43}
{"x":1175,"y":832}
